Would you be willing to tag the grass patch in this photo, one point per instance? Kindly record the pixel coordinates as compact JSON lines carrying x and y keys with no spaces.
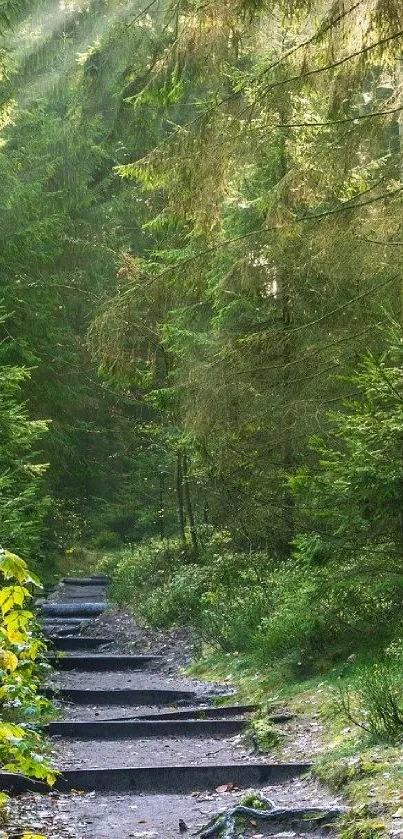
{"x":314,"y":637}
{"x":365,"y":770}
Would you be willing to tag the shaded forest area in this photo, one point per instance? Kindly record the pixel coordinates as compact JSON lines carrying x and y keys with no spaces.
{"x":202,"y":309}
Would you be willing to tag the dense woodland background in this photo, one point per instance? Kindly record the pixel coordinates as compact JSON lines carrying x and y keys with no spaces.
{"x":201,"y":310}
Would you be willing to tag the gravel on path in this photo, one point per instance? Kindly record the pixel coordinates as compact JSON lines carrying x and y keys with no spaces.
{"x":135,"y":679}
{"x":99,"y":816}
{"x":166,"y":751}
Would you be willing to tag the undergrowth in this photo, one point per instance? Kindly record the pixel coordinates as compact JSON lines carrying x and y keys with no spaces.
{"x":300,"y":613}
{"x":316,"y":640}
{"x":22,"y":667}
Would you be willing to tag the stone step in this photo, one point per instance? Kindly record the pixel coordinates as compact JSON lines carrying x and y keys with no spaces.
{"x":121,"y":730}
{"x":97,"y":579}
{"x":60,"y":630}
{"x":68,"y":594}
{"x":177,"y":778}
{"x":162,"y":779}
{"x":73,"y":610}
{"x":64,"y":627}
{"x":65,"y":622}
{"x":211,"y":712}
{"x":102,"y":662}
{"x":125,"y":696}
{"x":77,"y":642}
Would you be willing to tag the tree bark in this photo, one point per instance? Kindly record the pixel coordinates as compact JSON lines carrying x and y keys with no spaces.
{"x":161,"y":510}
{"x":188,"y":502}
{"x":286,"y":320}
{"x":179,"y":498}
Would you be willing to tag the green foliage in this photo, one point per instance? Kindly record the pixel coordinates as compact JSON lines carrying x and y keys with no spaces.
{"x":337,"y":773}
{"x":254,"y":799}
{"x":263,"y":734}
{"x":24,"y":503}
{"x":341,"y":589}
{"x":216,"y":591}
{"x":356,"y":492}
{"x":22,"y":665}
{"x":358,"y":825}
{"x":66,"y":218}
{"x":375,"y":704}
{"x":342,"y":586}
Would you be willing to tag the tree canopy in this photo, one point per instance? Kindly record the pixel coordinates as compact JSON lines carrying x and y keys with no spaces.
{"x":201,"y":282}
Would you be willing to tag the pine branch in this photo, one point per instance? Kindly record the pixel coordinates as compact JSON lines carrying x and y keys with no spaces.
{"x":326,"y":123}
{"x":333,"y":65}
{"x":142,"y":12}
{"x":225,"y":99}
{"x":378,"y":241}
{"x":343,"y":306}
{"x":308,"y":357}
{"x":346,"y":206}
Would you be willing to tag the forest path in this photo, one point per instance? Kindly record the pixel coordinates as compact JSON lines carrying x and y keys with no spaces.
{"x":150,"y":752}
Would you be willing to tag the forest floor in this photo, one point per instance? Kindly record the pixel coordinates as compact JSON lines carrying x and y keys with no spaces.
{"x":346,"y":767}
{"x":368,"y":773}
{"x":95,"y":815}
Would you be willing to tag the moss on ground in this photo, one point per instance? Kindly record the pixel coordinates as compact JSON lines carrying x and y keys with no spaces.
{"x":367,"y":772}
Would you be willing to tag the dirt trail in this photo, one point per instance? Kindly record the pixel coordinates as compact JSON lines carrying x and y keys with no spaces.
{"x":153,"y":785}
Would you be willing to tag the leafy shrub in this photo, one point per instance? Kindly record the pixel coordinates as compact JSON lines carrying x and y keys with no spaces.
{"x":328,"y":610}
{"x":239,"y":602}
{"x":351,"y":501}
{"x":106,"y":539}
{"x":221,"y":593}
{"x":24,"y":505}
{"x":22,"y":665}
{"x":381,"y":690}
{"x":375,"y":703}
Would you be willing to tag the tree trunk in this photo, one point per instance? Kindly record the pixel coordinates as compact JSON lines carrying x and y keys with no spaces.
{"x":179,"y":498}
{"x":188,"y":502}
{"x":161,"y":510}
{"x":286,"y":319}
{"x":288,"y":448}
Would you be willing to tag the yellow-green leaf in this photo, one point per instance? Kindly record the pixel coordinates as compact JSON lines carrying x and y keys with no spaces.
{"x":33,"y":836}
{"x":8,"y":660}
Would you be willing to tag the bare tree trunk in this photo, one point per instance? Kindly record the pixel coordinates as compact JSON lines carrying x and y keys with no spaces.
{"x":188,"y":502}
{"x":161,"y":510}
{"x":286,"y":319}
{"x":288,"y":449}
{"x":179,"y":498}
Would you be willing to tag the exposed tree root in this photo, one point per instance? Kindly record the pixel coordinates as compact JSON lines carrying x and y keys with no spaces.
{"x":226,"y":825}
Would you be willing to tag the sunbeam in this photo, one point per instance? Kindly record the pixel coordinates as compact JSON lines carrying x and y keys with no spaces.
{"x":47,"y":45}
